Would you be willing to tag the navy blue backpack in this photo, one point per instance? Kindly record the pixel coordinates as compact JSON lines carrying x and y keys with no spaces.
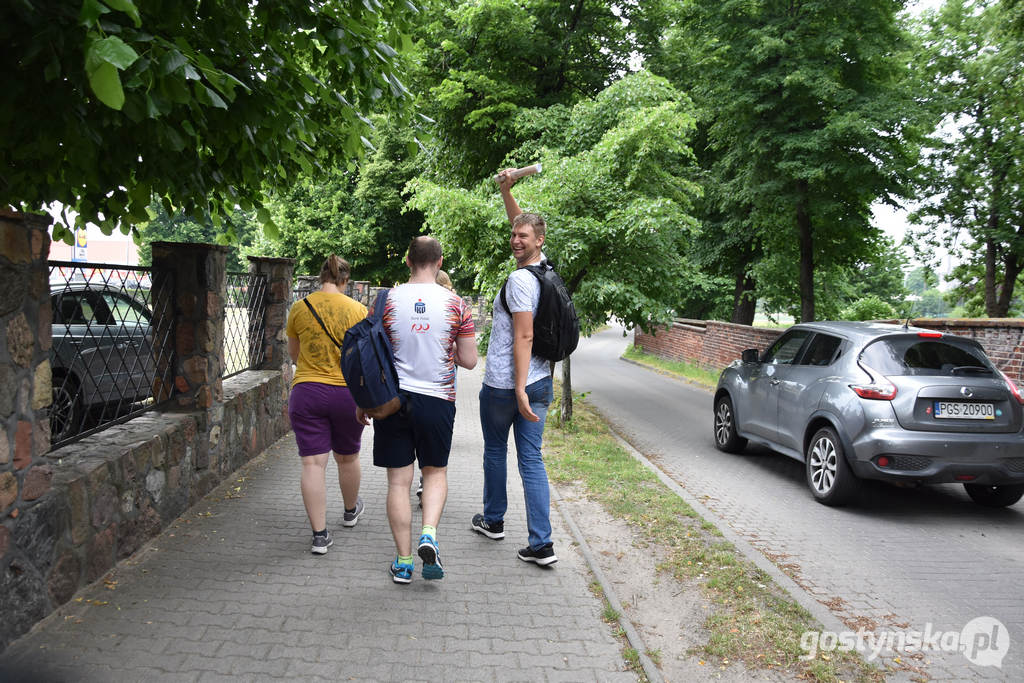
{"x":368,"y":363}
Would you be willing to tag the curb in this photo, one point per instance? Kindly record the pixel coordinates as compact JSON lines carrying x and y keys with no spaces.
{"x":632,"y":635}
{"x":829,"y":621}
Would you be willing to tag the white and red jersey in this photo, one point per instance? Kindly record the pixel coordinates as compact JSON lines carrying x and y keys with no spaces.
{"x":423,"y":321}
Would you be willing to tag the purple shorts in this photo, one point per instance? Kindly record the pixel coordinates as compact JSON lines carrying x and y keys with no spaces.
{"x":324,"y":419}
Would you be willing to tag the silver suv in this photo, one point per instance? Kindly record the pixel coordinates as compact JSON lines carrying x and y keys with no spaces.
{"x":875,"y":401}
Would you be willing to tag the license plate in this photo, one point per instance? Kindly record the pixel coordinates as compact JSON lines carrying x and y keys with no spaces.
{"x":964,"y":411}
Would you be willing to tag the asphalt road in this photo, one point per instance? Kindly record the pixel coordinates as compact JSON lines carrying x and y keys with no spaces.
{"x":901,"y":562}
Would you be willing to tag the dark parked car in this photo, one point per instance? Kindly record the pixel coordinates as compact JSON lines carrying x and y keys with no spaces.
{"x":875,"y":401}
{"x":101,"y":355}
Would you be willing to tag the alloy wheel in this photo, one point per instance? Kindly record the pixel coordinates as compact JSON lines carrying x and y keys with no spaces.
{"x":723,"y":423}
{"x":63,"y":411}
{"x":823,"y":464}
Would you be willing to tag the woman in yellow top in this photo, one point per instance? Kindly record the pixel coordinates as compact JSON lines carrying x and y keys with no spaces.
{"x":322,"y":412}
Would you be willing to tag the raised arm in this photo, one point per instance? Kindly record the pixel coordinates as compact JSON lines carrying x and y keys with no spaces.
{"x":505,"y":183}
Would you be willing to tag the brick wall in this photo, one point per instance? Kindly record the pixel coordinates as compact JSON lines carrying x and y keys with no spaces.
{"x":708,"y":344}
{"x":713,"y":345}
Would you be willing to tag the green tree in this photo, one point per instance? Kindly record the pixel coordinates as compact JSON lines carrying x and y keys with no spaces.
{"x":920,"y":279}
{"x":617,"y":193}
{"x":163,"y":227}
{"x":809,"y":121}
{"x":484,"y":62}
{"x":933,"y":304}
{"x":880,"y":275}
{"x":358,"y":214}
{"x":973,"y":62}
{"x":869,"y":308}
{"x":971,"y":293}
{"x":107,"y":103}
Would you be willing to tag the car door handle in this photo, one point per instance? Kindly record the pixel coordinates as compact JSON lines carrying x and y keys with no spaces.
{"x":775,"y":382}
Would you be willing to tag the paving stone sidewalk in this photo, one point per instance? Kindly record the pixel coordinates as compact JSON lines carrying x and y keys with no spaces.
{"x":231,"y":592}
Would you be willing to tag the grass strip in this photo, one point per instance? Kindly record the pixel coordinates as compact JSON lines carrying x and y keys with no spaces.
{"x":754,"y":621}
{"x":687,"y":371}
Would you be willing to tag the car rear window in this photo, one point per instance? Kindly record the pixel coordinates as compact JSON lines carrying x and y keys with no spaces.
{"x":914,"y":355}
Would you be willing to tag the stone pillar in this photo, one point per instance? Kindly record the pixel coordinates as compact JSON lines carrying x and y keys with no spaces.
{"x":279,"y":273}
{"x":25,"y":394}
{"x":196,"y":273}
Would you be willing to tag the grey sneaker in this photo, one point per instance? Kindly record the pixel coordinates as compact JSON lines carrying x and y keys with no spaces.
{"x":322,"y":543}
{"x":352,"y":517}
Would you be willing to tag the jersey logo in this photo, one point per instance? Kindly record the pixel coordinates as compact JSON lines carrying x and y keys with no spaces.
{"x":416,"y":327}
{"x":420,"y":307}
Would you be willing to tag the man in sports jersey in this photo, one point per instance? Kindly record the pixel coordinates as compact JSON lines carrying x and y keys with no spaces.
{"x":516,"y":393}
{"x":431,"y":331}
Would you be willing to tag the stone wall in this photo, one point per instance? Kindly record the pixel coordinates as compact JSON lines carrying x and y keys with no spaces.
{"x":713,"y":345}
{"x":68,"y":515}
{"x":26,"y":474}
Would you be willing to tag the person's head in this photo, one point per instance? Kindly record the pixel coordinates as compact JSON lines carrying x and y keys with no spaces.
{"x":335,"y":271}
{"x":528,"y":232}
{"x":442,"y":279}
{"x":424,"y":253}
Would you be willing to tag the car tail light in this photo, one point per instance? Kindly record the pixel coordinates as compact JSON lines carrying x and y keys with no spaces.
{"x":878,"y":392}
{"x":880,"y":389}
{"x":929,"y":335}
{"x":1013,"y":388}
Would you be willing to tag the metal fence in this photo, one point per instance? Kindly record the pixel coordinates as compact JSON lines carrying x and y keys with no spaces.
{"x":112,"y":347}
{"x":360,"y":290}
{"x":244,"y":322}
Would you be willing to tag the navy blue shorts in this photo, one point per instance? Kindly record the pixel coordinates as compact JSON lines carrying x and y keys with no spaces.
{"x":323,"y":418}
{"x":422,"y":431}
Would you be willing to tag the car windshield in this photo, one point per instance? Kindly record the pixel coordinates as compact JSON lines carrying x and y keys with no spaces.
{"x":915,"y":355}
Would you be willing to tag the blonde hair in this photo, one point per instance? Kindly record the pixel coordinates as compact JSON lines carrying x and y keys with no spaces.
{"x":443,"y":280}
{"x":335,"y":270}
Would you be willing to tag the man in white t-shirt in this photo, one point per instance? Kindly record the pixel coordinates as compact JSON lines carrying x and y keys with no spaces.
{"x":431,"y":332}
{"x":516,"y":393}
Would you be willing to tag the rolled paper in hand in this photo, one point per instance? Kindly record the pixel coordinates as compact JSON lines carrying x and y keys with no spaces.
{"x":520,"y":172}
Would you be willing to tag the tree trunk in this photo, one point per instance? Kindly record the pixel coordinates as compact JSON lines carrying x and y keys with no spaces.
{"x":1012,"y":267}
{"x":992,"y":294}
{"x":744,"y":303}
{"x":803,"y":223}
{"x":566,"y":415}
{"x":991,"y":304}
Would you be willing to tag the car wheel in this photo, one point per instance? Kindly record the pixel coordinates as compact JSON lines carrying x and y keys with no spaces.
{"x":995,"y":496}
{"x":66,"y":409}
{"x":726,"y":438}
{"x":828,"y":475}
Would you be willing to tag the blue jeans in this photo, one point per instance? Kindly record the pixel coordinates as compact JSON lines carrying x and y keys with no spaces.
{"x":498,"y":413}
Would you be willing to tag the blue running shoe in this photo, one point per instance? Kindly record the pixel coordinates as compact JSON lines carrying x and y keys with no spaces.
{"x":400,"y":573}
{"x":431,"y":557}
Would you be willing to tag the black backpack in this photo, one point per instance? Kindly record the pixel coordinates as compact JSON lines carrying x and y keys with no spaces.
{"x":556,"y":327}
